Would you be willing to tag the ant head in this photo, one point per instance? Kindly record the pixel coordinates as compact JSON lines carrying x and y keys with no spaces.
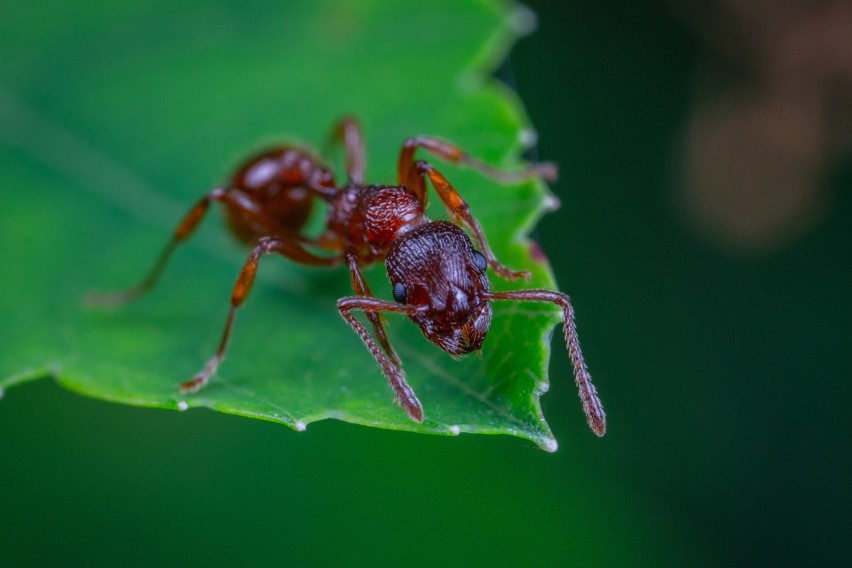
{"x":436,"y":268}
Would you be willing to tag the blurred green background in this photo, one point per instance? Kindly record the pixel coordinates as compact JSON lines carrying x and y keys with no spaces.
{"x":713,"y":319}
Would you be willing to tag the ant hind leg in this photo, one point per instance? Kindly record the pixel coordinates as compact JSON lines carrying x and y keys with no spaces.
{"x":183,"y":231}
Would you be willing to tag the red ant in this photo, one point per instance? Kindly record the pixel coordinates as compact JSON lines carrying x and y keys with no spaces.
{"x":438,"y":277}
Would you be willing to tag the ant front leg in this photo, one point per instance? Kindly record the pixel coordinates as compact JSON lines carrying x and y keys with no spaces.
{"x":592,"y":405}
{"x":396,"y":378}
{"x":242,"y":288}
{"x":359,"y":284}
{"x":460,"y":211}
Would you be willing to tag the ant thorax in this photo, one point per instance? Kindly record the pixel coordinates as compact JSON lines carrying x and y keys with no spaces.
{"x":388,"y":213}
{"x":435,"y":265}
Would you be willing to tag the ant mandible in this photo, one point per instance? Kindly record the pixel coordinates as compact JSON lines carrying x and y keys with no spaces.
{"x":439,"y":279}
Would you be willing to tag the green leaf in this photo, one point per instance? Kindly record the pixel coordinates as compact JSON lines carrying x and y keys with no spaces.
{"x":117,"y":117}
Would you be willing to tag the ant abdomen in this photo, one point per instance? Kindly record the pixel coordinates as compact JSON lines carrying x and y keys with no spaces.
{"x":279,"y":183}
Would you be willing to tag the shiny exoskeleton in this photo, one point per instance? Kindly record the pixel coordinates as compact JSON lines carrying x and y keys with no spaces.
{"x":438,"y":276}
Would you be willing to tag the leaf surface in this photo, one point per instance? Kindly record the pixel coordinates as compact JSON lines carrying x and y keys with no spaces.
{"x":116,"y":118}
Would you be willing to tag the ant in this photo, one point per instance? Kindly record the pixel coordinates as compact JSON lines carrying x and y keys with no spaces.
{"x":438,"y":277}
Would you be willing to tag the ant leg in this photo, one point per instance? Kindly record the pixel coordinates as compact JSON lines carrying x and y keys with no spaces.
{"x":408,"y":174}
{"x":402,"y":391}
{"x":242,"y":288}
{"x":592,"y":406}
{"x":181,"y":233}
{"x":363,"y":289}
{"x":348,"y":131}
{"x":460,"y":211}
{"x":230,"y":197}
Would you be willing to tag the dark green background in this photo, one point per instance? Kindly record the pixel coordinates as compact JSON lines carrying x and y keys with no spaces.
{"x":723,"y":377}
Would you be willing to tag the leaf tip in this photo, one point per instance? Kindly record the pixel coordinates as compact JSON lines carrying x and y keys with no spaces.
{"x":300,"y":426}
{"x":523,"y":20}
{"x":527,"y":137}
{"x":549,"y":445}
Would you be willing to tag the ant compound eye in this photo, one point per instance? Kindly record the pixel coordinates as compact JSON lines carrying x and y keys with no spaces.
{"x":480,"y":261}
{"x":399,"y":293}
